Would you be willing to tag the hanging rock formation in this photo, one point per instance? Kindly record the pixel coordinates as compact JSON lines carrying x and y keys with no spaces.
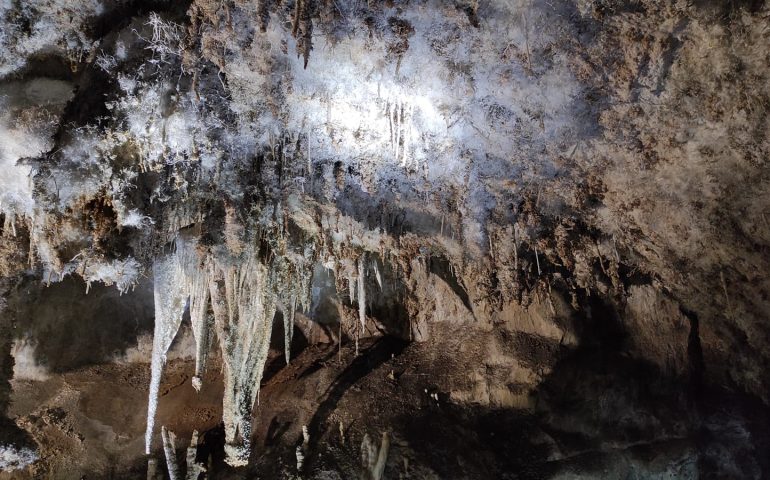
{"x":532,"y":201}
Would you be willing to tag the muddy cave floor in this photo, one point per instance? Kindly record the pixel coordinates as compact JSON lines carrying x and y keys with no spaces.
{"x":597,"y":414}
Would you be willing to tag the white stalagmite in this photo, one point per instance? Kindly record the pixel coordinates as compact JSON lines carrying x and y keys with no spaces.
{"x":170,"y":299}
{"x":152,"y":469}
{"x":244,"y":306}
{"x":169,"y":448}
{"x":373,"y":460}
{"x":303,"y":448}
{"x":194,"y":469}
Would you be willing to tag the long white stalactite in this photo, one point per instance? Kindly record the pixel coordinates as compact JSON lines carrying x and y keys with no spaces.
{"x":244,"y":295}
{"x":288,"y":326}
{"x":170,"y":299}
{"x":362,"y":291}
{"x":244,"y":307}
{"x":197,"y":284}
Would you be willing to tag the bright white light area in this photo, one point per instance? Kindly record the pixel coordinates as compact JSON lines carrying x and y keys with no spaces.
{"x":439,"y":108}
{"x":26,"y":129}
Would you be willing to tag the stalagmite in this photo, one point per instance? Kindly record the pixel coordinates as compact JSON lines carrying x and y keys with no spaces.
{"x":194,"y":469}
{"x":302,"y":449}
{"x":373,"y":459}
{"x":152,"y":469}
{"x":169,"y":448}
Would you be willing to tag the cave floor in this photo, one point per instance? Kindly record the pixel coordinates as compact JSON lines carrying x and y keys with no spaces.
{"x":396,"y":387}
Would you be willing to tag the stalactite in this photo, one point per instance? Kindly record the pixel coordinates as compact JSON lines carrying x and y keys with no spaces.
{"x":298,"y":7}
{"x":197,"y":286}
{"x":244,"y":307}
{"x":170,"y":298}
{"x":362,"y":290}
{"x":390,"y":121}
{"x":407,"y":134}
{"x":398,"y":114}
{"x":288,"y":327}
{"x":377,"y":275}
{"x":352,"y":283}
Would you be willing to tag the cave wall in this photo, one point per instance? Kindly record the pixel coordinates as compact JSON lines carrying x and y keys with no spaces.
{"x":568,"y":175}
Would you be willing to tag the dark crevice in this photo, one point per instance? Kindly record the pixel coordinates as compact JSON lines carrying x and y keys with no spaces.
{"x":694,"y":350}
